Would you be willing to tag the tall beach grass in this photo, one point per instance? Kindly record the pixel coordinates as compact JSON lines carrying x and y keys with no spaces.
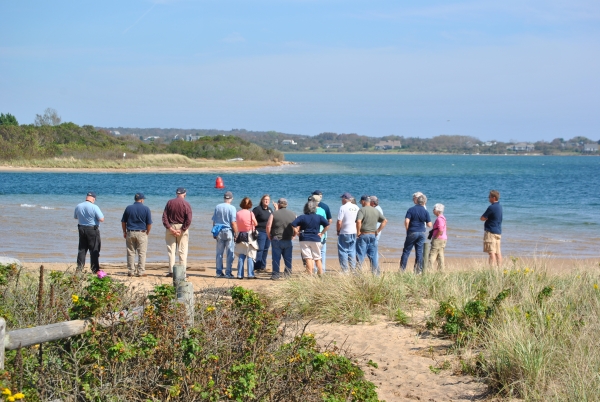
{"x":531,"y":333}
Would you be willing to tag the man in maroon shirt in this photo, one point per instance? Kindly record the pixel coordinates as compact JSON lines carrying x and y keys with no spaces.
{"x":177,"y":218}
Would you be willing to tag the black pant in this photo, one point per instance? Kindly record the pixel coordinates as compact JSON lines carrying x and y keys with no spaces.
{"x":89,"y":239}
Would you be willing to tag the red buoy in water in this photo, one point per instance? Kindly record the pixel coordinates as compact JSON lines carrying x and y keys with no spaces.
{"x":219,"y":183}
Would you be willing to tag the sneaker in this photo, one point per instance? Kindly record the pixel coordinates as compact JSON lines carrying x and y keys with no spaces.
{"x":276,"y":278}
{"x":220,"y":276}
{"x":169,"y":275}
{"x":252,"y":277}
{"x":229,"y":276}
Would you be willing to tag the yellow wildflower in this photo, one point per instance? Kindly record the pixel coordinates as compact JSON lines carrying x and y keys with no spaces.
{"x":11,"y":399}
{"x":19,"y":396}
{"x":75,"y":298}
{"x":210,"y":308}
{"x":596,"y":286}
{"x":6,"y":391}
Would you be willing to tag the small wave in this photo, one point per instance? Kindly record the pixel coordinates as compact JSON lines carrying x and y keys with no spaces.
{"x":28,"y":206}
{"x":562,"y":240}
{"x":45,"y":207}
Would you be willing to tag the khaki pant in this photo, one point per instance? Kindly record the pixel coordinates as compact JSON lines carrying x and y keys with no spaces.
{"x":491,"y":243}
{"x":137,"y":243}
{"x":172,"y":245}
{"x":437,"y":253}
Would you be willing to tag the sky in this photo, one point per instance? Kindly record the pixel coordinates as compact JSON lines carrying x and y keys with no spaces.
{"x":496,"y":70}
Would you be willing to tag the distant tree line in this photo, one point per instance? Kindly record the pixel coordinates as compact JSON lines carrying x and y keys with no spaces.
{"x":329,"y":142}
{"x":223,"y":147}
{"x":49,"y":138}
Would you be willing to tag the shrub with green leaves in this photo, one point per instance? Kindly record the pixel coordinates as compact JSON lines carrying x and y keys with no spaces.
{"x":239,"y":349}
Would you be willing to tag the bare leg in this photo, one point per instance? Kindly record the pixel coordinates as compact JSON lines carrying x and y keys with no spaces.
{"x":319,"y":264}
{"x":495,"y":259}
{"x":309,"y":266}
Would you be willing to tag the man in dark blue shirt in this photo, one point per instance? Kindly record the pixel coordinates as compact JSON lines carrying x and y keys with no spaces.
{"x":136,"y":223}
{"x":493,"y":228}
{"x":415,"y":221}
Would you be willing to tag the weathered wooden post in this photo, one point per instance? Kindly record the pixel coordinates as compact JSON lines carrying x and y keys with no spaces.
{"x":179,"y":273}
{"x":2,"y":334}
{"x":184,"y":291}
{"x":426,"y":249}
{"x":185,"y":295}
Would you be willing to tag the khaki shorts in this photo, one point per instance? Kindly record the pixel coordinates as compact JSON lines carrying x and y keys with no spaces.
{"x":491,"y":243}
{"x":311,"y":250}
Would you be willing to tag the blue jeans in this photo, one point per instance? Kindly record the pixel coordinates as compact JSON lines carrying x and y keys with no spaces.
{"x":416,"y":239}
{"x":263,"y":250}
{"x":366,"y":246}
{"x":281,"y":248}
{"x":225,"y":244}
{"x":347,"y":251}
{"x":240,"y":273}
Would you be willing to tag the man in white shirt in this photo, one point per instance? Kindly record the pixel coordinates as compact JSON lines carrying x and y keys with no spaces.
{"x":346,"y":231}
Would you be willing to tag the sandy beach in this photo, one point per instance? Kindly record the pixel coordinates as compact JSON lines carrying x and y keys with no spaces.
{"x":403,"y":356}
{"x":216,"y":166}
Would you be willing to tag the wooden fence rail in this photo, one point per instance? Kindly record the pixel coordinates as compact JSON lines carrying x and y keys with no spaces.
{"x":21,"y":338}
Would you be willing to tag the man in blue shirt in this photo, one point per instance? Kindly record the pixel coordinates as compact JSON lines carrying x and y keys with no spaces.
{"x":89,"y":216}
{"x":415,"y":221}
{"x":493,"y":228}
{"x":225,"y":226}
{"x":136,"y":223}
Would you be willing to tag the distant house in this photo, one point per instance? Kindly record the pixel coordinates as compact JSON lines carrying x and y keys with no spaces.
{"x":388,"y":145}
{"x":115,"y":133}
{"x":488,"y":144}
{"x":190,"y":137}
{"x":521,"y":146}
{"x":590,"y":147}
{"x":152,"y":138}
{"x":289,"y":142}
{"x":335,"y":145}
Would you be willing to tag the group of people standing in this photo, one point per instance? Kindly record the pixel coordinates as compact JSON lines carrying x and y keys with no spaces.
{"x":250,"y":232}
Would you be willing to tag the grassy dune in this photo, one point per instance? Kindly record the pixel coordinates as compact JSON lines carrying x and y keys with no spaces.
{"x":531,"y":333}
{"x":165,"y":161}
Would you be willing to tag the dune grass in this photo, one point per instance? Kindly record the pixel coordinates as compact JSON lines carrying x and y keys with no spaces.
{"x":238,"y":348}
{"x":531,"y":333}
{"x":170,"y":161}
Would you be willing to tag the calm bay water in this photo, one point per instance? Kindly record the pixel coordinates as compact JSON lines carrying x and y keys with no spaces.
{"x":550,"y":203}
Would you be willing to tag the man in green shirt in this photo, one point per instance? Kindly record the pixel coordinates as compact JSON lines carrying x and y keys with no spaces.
{"x":367,"y":231}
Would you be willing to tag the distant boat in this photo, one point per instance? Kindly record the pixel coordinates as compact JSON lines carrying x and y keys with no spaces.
{"x":235,"y":159}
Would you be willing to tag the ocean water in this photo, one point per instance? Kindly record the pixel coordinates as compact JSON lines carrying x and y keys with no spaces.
{"x":550,"y":202}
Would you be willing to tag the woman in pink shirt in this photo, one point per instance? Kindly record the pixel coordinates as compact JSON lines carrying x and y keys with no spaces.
{"x":439,"y":238}
{"x":245,"y":244}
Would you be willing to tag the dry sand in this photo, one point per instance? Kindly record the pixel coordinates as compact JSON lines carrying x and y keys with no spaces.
{"x":217,"y":166}
{"x":403,"y":356}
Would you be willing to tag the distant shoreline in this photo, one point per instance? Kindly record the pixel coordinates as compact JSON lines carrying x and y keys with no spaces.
{"x":215,"y":166}
{"x":423,"y":153}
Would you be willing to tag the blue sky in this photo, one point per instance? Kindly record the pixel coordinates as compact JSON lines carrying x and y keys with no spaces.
{"x":512,"y":69}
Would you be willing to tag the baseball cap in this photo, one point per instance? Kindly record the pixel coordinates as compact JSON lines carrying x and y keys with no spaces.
{"x":282,"y":201}
{"x":139,"y":196}
{"x":181,"y":190}
{"x":346,"y":196}
{"x":364,"y":198}
{"x":91,"y":194}
{"x":374,"y":199}
{"x":317,"y":192}
{"x":228,"y":195}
